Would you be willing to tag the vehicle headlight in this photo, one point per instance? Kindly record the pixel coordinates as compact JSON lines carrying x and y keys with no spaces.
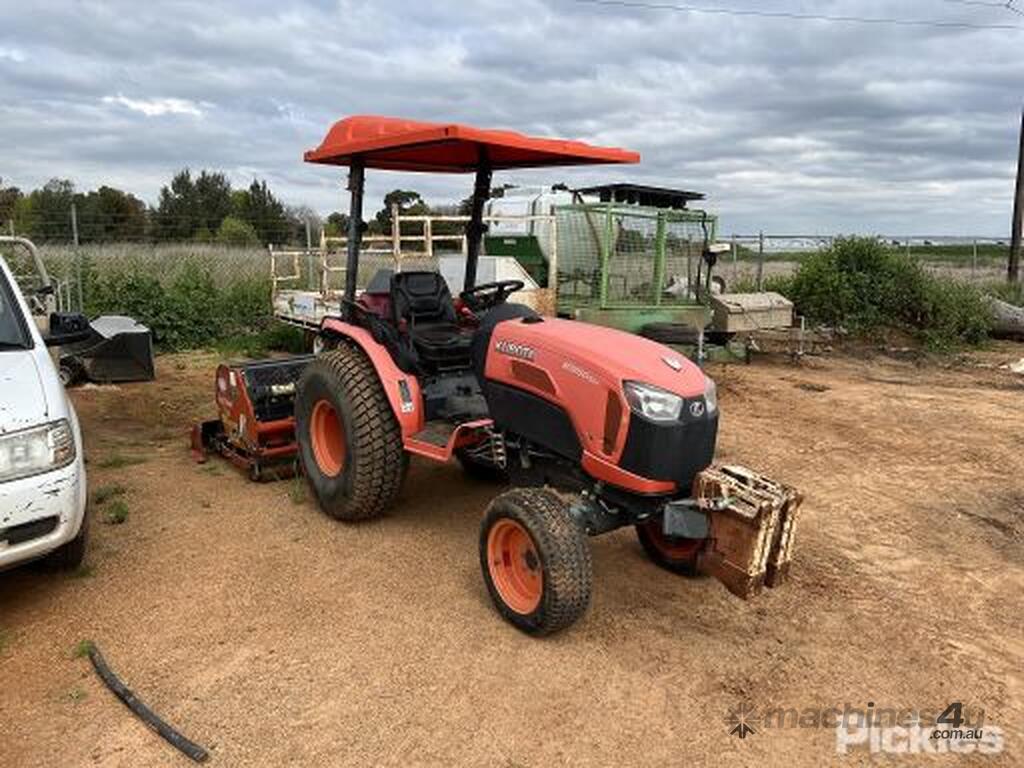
{"x":710,"y":395}
{"x":653,"y":403}
{"x":36,"y":450}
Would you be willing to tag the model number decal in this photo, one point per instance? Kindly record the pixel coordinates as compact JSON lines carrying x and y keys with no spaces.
{"x":515,"y":349}
{"x":575,"y":370}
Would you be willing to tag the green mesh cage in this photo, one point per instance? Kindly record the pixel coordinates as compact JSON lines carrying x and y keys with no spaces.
{"x":621,"y":256}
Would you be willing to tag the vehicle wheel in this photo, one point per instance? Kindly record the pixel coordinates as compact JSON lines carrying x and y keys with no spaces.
{"x":349,"y":440}
{"x":535,"y":560}
{"x":481,"y":470}
{"x":673,"y":553}
{"x":69,"y":556}
{"x":70,"y":372}
{"x":670,"y":333}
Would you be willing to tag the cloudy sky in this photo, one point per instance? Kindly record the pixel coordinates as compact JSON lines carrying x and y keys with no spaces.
{"x":788,"y":124}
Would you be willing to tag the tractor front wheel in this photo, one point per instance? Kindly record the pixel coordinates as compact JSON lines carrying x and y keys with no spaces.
{"x":672,"y":553}
{"x":349,"y":440}
{"x":535,"y":559}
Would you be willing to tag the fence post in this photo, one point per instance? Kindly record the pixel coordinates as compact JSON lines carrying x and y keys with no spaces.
{"x":553,"y":260}
{"x":974,"y":259}
{"x":606,"y":255}
{"x":428,"y":239}
{"x":309,"y":255}
{"x":735,"y":258}
{"x":325,"y":280}
{"x":760,"y":261}
{"x":78,"y":256}
{"x":659,"y":258}
{"x":396,"y":237}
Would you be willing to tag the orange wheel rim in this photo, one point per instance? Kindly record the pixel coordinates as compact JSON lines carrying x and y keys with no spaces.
{"x":328,"y":439}
{"x":670,"y":546}
{"x":515,"y":566}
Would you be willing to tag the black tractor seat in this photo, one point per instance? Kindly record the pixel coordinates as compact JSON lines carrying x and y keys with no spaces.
{"x":422,"y":301}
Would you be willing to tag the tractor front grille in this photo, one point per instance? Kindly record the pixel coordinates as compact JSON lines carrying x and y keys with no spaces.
{"x":675,"y":451}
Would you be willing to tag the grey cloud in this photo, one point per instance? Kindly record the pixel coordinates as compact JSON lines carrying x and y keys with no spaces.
{"x":786,"y":124}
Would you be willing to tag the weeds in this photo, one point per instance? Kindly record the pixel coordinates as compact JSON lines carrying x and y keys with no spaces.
{"x":118,"y":460}
{"x":117,"y":512}
{"x":211,"y":469}
{"x":1011,"y":293}
{"x":187,"y":308}
{"x":277,"y":338}
{"x":82,"y":649}
{"x":105,"y":493}
{"x":84,"y":571}
{"x":299,"y":491}
{"x":76,"y":694}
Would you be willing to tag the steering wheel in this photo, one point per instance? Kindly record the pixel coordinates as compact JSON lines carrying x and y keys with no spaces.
{"x":488,"y":295}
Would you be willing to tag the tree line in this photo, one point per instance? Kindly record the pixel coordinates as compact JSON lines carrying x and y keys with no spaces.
{"x":198,"y":208}
{"x":201,"y":207}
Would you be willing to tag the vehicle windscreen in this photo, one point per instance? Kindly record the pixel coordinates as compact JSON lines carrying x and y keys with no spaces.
{"x":13,"y":334}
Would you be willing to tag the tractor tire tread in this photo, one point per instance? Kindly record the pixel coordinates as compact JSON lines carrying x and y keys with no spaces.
{"x":378,"y":455}
{"x":564,"y":551}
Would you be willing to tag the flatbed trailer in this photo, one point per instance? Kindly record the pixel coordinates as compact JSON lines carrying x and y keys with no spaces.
{"x":308,"y":284}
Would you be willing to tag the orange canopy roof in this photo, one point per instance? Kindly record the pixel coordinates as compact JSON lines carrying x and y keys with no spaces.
{"x":395,"y":144}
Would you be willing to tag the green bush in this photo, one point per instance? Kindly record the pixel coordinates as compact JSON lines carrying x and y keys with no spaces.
{"x":189,"y":310}
{"x":860,"y":284}
{"x":234,"y":231}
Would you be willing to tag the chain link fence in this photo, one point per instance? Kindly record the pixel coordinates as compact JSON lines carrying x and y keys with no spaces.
{"x":605,"y":256}
{"x":754,"y":260}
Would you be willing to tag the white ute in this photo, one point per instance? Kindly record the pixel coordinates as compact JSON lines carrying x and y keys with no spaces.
{"x":42,"y":472}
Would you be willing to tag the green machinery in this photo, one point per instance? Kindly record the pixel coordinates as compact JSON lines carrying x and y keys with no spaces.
{"x":630,"y":266}
{"x":639,"y":259}
{"x":625,"y":255}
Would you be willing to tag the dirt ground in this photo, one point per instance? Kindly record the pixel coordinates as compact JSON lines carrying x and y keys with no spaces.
{"x":276,"y":636}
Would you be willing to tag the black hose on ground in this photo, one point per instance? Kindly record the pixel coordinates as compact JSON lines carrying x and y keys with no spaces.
{"x":144,"y":713}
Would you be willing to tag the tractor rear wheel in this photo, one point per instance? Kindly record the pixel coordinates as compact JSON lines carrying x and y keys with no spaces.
{"x":535,"y":560}
{"x":349,"y":440}
{"x":673,"y":553}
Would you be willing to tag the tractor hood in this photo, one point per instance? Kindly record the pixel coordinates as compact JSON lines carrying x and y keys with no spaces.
{"x":606,"y":354}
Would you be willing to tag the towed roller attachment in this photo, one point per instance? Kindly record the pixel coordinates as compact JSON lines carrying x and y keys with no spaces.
{"x":255,"y":430}
{"x":751,"y":526}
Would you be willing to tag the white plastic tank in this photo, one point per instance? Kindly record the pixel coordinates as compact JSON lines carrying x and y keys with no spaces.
{"x":523,"y":202}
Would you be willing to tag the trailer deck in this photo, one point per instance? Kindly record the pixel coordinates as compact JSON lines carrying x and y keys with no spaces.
{"x":308,"y":284}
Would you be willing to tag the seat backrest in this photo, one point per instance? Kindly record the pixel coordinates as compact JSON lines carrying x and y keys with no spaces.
{"x":421,"y":297}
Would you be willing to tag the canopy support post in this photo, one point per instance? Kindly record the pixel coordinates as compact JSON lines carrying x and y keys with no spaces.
{"x":356,"y":176}
{"x":475,"y":229}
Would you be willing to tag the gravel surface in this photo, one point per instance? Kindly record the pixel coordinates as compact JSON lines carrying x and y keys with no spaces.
{"x":275,"y":636}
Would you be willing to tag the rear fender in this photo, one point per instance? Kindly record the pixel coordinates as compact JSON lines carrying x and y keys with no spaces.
{"x":408,"y":414}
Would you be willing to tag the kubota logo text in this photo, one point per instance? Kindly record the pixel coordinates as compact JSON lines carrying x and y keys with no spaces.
{"x":514,"y":349}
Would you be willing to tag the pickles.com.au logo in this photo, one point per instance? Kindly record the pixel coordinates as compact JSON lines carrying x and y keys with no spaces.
{"x":955,"y":729}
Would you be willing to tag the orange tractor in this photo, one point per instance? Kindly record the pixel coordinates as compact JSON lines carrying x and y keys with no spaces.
{"x":593,"y":428}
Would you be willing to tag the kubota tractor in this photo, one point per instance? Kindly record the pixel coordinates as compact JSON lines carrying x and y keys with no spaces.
{"x":593,"y":428}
